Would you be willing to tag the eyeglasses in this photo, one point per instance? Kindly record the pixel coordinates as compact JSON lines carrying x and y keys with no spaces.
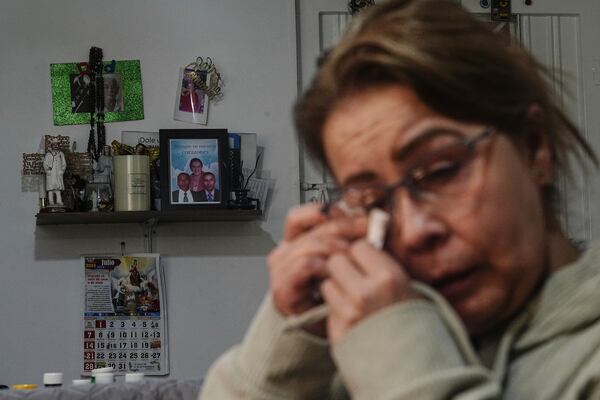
{"x":437,"y":178}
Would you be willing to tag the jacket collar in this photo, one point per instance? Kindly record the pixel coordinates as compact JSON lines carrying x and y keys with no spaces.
{"x":567,"y":302}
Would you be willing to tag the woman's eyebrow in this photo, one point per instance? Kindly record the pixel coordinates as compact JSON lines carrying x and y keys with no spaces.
{"x":429,"y":134}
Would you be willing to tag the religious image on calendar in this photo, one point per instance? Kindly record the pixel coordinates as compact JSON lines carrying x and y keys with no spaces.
{"x":134,"y":287}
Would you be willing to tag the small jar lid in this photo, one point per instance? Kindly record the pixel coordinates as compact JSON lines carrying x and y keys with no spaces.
{"x":102,"y":370}
{"x":105,"y":377}
{"x":24,"y":386}
{"x":53,"y":378}
{"x":134,"y":377}
{"x":80,"y":382}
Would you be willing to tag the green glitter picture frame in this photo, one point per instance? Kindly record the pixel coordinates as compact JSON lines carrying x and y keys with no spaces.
{"x":68,"y":100}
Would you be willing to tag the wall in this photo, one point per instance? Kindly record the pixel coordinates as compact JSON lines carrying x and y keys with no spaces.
{"x":215,"y":271}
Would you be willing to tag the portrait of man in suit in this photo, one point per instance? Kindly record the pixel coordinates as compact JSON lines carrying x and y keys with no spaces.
{"x":209,"y":193}
{"x":184,"y":194}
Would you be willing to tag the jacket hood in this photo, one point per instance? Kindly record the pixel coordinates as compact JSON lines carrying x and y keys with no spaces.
{"x":568,"y":301}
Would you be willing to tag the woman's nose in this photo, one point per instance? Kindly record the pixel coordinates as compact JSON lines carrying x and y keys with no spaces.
{"x":417,"y":226}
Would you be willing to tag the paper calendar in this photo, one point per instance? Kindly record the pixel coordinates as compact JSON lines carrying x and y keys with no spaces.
{"x":124,"y":321}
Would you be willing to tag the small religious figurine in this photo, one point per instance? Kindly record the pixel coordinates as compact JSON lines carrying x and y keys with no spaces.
{"x":103,"y":167}
{"x":100,"y":185}
{"x":94,"y":201}
{"x":55,"y":165}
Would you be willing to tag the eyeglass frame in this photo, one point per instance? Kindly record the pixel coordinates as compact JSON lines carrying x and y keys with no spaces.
{"x":406,"y":181}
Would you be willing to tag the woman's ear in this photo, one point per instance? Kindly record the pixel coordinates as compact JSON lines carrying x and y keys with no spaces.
{"x":539,"y":149}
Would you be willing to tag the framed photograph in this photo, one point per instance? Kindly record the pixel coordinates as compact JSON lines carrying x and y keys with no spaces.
{"x":193,"y":168}
{"x":123,"y":99}
{"x":191,"y":102}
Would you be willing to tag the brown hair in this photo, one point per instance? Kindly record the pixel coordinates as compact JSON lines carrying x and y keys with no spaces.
{"x":455,"y":64}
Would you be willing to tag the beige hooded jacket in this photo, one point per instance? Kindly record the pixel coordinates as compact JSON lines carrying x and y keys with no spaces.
{"x":420,"y":350}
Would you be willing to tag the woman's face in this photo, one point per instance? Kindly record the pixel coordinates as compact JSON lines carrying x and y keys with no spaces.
{"x":196,"y":168}
{"x":111,"y":87}
{"x":483,"y":246}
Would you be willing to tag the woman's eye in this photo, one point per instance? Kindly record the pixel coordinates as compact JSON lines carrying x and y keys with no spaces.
{"x":379,"y":200}
{"x":438,"y":173}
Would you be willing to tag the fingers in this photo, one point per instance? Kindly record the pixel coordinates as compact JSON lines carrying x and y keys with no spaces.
{"x":360,"y":282}
{"x":341,"y":292}
{"x":297,"y":267}
{"x":308,"y":246}
{"x":341,"y":317}
{"x":348,"y":229}
{"x":301,"y":219}
{"x":378,"y":278}
{"x":307,"y":271}
{"x":292,"y":291}
{"x":376,"y":263}
{"x":352,"y":294}
{"x":298,"y":264}
{"x":347,"y":277}
{"x":305,"y":218}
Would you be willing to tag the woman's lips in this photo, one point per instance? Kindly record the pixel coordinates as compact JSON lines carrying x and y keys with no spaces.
{"x":457,"y":285}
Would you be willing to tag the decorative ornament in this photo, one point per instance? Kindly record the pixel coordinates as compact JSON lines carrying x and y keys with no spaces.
{"x":354,"y":6}
{"x":71,"y":97}
{"x":119,"y":148}
{"x":501,"y":10}
{"x":199,"y":84}
{"x":202,"y":68}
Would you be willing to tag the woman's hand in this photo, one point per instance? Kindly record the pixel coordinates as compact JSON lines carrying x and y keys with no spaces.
{"x":298,"y":264}
{"x":360,"y":282}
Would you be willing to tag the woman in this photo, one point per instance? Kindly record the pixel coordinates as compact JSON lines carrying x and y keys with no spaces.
{"x":425,"y":113}
{"x":196,"y":177}
{"x":189,"y":99}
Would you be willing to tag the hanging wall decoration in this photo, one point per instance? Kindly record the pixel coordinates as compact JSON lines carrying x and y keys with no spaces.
{"x":199,"y":83}
{"x":501,"y":10}
{"x":354,"y":6}
{"x":71,"y":97}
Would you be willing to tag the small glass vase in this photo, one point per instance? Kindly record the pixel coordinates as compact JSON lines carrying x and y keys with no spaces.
{"x":99,"y":196}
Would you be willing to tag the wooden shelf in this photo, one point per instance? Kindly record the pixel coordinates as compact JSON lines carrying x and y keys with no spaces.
{"x":146,"y":216}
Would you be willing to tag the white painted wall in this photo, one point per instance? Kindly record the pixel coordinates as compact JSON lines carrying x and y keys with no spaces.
{"x":215,"y":271}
